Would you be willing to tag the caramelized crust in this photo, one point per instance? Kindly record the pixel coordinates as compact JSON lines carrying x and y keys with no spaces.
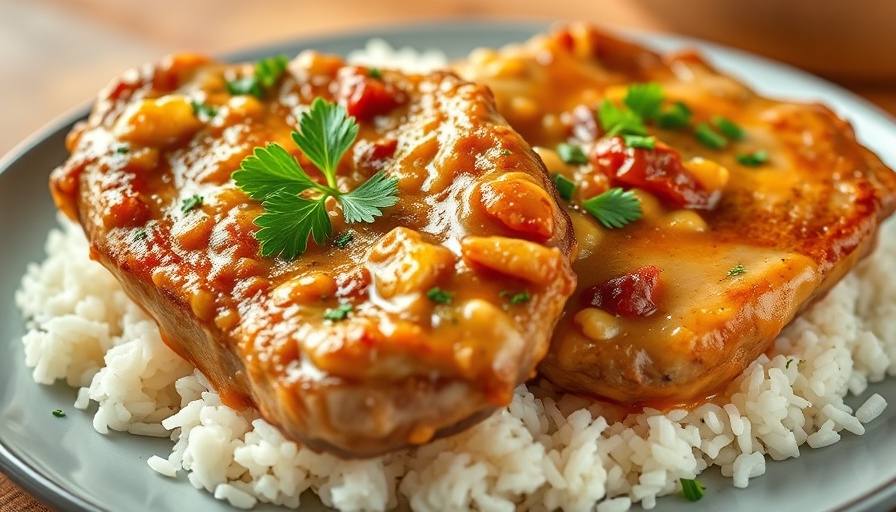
{"x":795,"y":224}
{"x":477,"y":217}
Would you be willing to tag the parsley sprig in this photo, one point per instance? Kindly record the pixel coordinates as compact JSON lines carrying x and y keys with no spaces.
{"x":614,"y":208}
{"x":295,"y":204}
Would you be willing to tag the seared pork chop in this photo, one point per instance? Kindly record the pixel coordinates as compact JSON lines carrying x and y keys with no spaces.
{"x":751,"y":208}
{"x":387,"y":335}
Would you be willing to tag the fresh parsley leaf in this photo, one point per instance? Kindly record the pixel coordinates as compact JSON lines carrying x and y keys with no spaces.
{"x":571,"y":154}
{"x":365,"y":202}
{"x":270,"y":170}
{"x":139,"y":234}
{"x":294,"y":204}
{"x":676,"y":116}
{"x":506,"y":152}
{"x":709,"y":137}
{"x":287,"y":222}
{"x":640,"y":142}
{"x":728,"y":127}
{"x":693,"y":490}
{"x":787,"y":365}
{"x":645,"y":99}
{"x":737,"y":270}
{"x":191,"y":203}
{"x":59,"y":413}
{"x":618,"y":121}
{"x":325,"y":134}
{"x":614,"y":208}
{"x":440,"y":296}
{"x":565,"y":186}
{"x":344,"y":238}
{"x":754,"y":159}
{"x":203,"y":110}
{"x":374,"y":73}
{"x":122,"y":149}
{"x":338,"y":313}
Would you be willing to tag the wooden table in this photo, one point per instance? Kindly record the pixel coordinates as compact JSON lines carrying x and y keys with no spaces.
{"x":58,"y":53}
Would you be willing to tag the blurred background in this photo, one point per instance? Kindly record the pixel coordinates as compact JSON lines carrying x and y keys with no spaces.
{"x":56,"y":54}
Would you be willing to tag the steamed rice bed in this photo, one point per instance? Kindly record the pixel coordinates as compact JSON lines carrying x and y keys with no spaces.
{"x":544,"y":451}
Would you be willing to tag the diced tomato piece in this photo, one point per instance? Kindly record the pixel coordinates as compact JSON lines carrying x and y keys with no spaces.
{"x":658,"y":171}
{"x":375,"y":155}
{"x":628,"y":295}
{"x":365,"y":97}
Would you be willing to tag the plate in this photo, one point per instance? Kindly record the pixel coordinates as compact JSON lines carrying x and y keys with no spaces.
{"x":69,"y":466}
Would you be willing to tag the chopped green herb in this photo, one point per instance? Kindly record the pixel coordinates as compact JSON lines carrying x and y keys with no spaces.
{"x":571,"y":154}
{"x":642,"y":102}
{"x":338,"y":313}
{"x":274,"y":177}
{"x":139,"y":234}
{"x":439,"y":295}
{"x":709,"y":137}
{"x":753,"y":159}
{"x":374,"y":73}
{"x":645,"y":99}
{"x":618,"y":121}
{"x":675,"y":117}
{"x":203,"y":110}
{"x":640,"y":142}
{"x":343,"y":239}
{"x":614,"y":208}
{"x":787,"y":366}
{"x":728,"y":127}
{"x":520,"y":298}
{"x":267,"y":72}
{"x":506,"y":152}
{"x":565,"y":186}
{"x":693,"y":490}
{"x":59,"y":413}
{"x":246,"y":86}
{"x":191,"y":203}
{"x":736,"y":271}
{"x":122,"y":149}
{"x":516,"y":298}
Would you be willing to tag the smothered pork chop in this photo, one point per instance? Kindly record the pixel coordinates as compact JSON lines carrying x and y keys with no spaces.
{"x":707,"y":216}
{"x":371,"y":258}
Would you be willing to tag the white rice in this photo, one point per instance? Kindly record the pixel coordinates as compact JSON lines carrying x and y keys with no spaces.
{"x":544,"y":451}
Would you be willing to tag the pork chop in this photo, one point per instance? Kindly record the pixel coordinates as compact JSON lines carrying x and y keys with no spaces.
{"x":385,"y":335}
{"x":752,"y":208}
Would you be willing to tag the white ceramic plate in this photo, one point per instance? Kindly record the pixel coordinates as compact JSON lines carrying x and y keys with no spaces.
{"x":67,"y":464}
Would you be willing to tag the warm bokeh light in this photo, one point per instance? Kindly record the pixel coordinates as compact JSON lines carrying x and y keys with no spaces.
{"x":57,"y":53}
